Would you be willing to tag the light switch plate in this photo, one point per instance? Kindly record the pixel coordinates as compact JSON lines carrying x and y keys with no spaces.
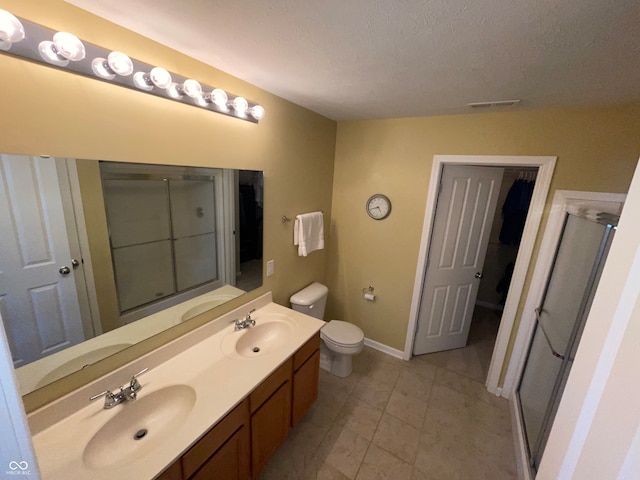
{"x":271,"y":266}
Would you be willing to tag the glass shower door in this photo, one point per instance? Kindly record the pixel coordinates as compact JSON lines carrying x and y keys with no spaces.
{"x":560,"y":319}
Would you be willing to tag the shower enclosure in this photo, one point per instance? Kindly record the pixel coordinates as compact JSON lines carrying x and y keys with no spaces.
{"x":560,"y":319}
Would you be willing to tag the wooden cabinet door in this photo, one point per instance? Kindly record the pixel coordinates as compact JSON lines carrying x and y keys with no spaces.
{"x":174,"y":472}
{"x":270,"y":425}
{"x":305,"y":387}
{"x":231,"y":460}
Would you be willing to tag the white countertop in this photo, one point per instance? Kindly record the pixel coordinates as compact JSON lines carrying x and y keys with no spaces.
{"x":62,"y":429}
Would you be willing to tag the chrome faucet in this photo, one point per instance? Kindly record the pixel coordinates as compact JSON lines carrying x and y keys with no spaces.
{"x":246,"y":322}
{"x":126,"y":393}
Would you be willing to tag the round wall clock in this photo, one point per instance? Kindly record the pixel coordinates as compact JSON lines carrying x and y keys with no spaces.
{"x":378,"y":206}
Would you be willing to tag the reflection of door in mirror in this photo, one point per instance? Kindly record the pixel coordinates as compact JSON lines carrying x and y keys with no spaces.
{"x":163,"y":234}
{"x":37,"y":287}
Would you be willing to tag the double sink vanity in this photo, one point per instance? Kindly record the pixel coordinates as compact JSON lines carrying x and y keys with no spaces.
{"x":215,"y":403}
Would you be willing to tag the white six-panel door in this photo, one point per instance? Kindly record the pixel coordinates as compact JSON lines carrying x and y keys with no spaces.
{"x":464,"y":214}
{"x":34,"y":295}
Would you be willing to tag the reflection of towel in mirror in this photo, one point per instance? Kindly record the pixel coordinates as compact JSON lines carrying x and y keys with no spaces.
{"x":308,"y":233}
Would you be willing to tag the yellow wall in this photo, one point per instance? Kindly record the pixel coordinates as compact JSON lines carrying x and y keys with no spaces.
{"x":47,"y":111}
{"x":597,"y":150}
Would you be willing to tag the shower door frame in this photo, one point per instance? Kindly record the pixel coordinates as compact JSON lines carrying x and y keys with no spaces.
{"x":563,"y":201}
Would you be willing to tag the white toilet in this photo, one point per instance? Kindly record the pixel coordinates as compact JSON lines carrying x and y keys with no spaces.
{"x":341,"y":340}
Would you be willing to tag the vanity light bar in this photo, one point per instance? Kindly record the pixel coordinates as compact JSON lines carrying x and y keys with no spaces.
{"x":24,"y":39}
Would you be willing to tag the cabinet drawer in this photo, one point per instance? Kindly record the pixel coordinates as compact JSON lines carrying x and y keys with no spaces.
{"x":270,"y":385}
{"x":174,"y":472}
{"x":214,"y":439}
{"x":305,"y":351}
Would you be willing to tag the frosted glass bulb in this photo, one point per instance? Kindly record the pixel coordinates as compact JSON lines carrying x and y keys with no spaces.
{"x":120,"y":63}
{"x":192,"y":88}
{"x":257,"y":112}
{"x":240,"y":105}
{"x":201,"y":101}
{"x":219,"y":98}
{"x":50,"y":55}
{"x":141,"y":82}
{"x":11,"y":29}
{"x":160,"y":77}
{"x":174,"y":91}
{"x":69,"y":46}
{"x":101,"y":68}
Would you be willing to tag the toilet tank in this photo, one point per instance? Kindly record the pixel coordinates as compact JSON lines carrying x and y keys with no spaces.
{"x":311,"y":300}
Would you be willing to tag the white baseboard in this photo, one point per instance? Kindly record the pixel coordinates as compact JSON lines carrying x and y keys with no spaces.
{"x":522,"y":458}
{"x":381,"y":347}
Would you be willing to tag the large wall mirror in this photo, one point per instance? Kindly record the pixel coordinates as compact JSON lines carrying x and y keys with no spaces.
{"x":97,"y":256}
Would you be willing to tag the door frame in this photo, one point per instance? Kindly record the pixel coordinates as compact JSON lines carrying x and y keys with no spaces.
{"x":545,"y":165}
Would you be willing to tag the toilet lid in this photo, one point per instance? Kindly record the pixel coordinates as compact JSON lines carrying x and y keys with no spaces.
{"x":344,"y":333}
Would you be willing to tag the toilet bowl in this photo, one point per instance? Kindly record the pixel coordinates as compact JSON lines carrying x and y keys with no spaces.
{"x":340,"y":340}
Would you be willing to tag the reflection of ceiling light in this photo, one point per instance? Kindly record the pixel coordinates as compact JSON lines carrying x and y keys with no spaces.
{"x":192,"y":88}
{"x":11,"y":30}
{"x":120,"y":63}
{"x":240,"y":106}
{"x":257,"y":112}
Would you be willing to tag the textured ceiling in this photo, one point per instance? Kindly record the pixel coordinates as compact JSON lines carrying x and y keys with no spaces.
{"x":361,"y":59}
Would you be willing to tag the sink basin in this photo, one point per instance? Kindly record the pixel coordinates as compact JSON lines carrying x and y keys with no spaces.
{"x":269,"y":333}
{"x":139,"y":426}
{"x":79,"y":362}
{"x":204,"y":306}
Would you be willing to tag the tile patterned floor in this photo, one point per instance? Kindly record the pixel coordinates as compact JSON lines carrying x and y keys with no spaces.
{"x":427,"y":419}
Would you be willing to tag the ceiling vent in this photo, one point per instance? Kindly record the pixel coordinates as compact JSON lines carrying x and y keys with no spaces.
{"x":496,"y":103}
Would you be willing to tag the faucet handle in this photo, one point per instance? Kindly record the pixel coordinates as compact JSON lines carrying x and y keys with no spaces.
{"x":110,"y":398}
{"x":248,"y":317}
{"x":134,"y":385}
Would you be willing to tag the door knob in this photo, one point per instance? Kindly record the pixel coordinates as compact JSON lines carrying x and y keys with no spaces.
{"x":75,"y":263}
{"x":65,"y":270}
{"x":478,"y":275}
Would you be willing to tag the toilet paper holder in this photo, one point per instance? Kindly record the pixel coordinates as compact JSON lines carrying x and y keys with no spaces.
{"x":368,"y":293}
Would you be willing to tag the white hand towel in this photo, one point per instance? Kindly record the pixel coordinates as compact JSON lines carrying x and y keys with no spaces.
{"x":308,"y":233}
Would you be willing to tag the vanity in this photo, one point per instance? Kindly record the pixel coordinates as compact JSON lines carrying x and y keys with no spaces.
{"x":214,"y":403}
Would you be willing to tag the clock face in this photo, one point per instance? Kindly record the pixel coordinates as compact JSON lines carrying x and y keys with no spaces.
{"x":378,"y":206}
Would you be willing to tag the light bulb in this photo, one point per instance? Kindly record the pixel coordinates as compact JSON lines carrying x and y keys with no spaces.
{"x":11,"y":29}
{"x":160,"y":77}
{"x":201,"y":101}
{"x":69,"y":46}
{"x":120,"y":63}
{"x":140,"y":81}
{"x":219,"y":98}
{"x":50,"y":55}
{"x":240,"y":105}
{"x":257,"y":112}
{"x":192,"y":88}
{"x":175,"y":91}
{"x":101,"y":68}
